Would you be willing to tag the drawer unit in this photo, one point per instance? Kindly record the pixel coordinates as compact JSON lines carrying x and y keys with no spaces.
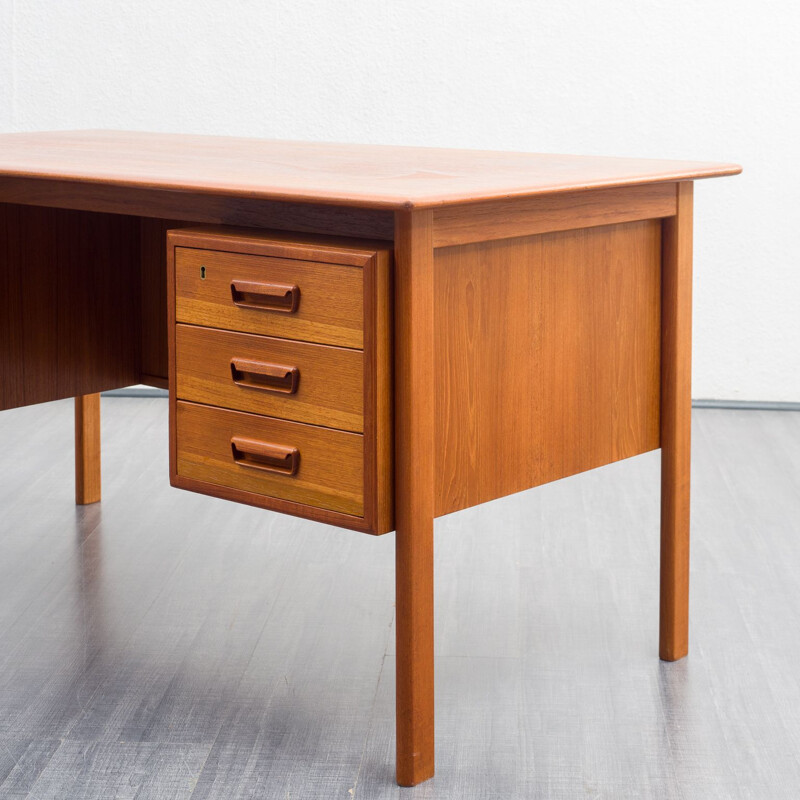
{"x":292,"y":380}
{"x":280,"y":372}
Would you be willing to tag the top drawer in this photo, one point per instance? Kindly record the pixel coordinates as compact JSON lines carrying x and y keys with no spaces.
{"x":281,"y":297}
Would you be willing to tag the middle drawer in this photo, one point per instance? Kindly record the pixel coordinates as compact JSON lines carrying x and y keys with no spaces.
{"x":312,"y":383}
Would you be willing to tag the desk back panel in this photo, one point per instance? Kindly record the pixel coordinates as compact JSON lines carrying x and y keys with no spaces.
{"x":69,"y":303}
{"x":547,"y":358}
{"x":154,"y":356}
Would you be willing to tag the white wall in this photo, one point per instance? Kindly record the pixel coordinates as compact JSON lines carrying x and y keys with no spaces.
{"x":715,"y":80}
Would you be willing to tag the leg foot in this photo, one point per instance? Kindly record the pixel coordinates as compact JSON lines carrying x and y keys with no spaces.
{"x":415,"y":706}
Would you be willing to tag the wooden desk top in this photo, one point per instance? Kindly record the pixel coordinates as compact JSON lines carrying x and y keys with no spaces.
{"x":370,"y":176}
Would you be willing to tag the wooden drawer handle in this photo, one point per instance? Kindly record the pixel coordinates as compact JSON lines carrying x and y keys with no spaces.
{"x":284,"y":297}
{"x":261,"y":375}
{"x":265,"y":456}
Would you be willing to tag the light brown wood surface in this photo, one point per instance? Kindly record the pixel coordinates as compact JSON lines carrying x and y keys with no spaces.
{"x":329,"y":380}
{"x":414,"y":494}
{"x":676,"y":426}
{"x":330,"y":311}
{"x":345,"y":174}
{"x":370,"y":262}
{"x":278,"y":244}
{"x":379,"y":393}
{"x":343,"y":250}
{"x":88,"y":481}
{"x":503,"y":219}
{"x":547,"y":358}
{"x":331,"y":463}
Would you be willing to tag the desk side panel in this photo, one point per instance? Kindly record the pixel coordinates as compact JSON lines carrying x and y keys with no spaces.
{"x":69,"y":303}
{"x":547,"y":358}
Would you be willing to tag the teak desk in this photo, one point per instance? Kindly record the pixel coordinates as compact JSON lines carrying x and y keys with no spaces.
{"x":367,"y":336}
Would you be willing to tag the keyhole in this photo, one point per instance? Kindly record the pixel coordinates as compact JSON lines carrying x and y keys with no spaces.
{"x":202,"y":273}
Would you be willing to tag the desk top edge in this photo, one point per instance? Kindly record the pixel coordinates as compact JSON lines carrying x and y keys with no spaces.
{"x":369,"y":176}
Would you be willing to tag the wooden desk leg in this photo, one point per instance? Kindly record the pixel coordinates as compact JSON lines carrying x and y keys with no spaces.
{"x":87,"y":449}
{"x":676,"y":416}
{"x":414,"y":496}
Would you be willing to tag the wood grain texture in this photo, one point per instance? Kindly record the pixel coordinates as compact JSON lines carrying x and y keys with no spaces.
{"x":331,"y":308}
{"x":503,"y":219}
{"x":369,"y":223}
{"x":676,"y":430}
{"x":330,"y":385}
{"x":372,"y":262}
{"x":379,"y":392}
{"x":69,"y":303}
{"x":154,"y":361}
{"x":547,"y":358}
{"x":88,"y":482}
{"x":342,"y":250}
{"x":331,"y":471}
{"x":344,"y":174}
{"x":414,"y":494}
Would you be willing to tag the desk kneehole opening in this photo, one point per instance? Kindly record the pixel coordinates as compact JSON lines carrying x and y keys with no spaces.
{"x":265,"y":456}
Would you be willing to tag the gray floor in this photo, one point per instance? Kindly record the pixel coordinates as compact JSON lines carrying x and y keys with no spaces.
{"x":167,"y":645}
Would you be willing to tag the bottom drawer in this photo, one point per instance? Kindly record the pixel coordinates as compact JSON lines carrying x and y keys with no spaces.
{"x":305,"y":464}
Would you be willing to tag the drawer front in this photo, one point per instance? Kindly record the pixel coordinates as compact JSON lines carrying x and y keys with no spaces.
{"x":287,"y":460}
{"x":312,"y":383}
{"x":279,"y":297}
